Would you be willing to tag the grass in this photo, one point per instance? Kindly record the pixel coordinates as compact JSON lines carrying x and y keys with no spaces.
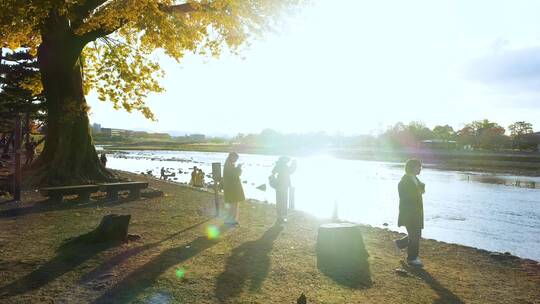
{"x":258,"y":262}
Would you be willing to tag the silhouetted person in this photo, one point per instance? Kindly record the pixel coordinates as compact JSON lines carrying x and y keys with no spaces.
{"x":162,"y":174}
{"x":282,"y":173}
{"x":232,"y":187}
{"x":103,"y":159}
{"x":411,"y":211}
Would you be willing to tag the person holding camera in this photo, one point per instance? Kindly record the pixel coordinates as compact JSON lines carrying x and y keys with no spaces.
{"x":281,"y":181}
{"x":411,"y":211}
{"x":232,"y":188}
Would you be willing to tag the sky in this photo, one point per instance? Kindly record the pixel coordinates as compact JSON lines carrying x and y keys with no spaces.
{"x":357,"y":67}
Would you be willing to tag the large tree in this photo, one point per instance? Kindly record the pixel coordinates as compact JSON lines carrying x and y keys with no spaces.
{"x":105,"y":45}
{"x":518,"y":131}
{"x":445,"y":132}
{"x":419,"y":131}
{"x":485,"y":134}
{"x":407,"y":135}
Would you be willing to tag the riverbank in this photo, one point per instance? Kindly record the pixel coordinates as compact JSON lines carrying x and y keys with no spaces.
{"x":174,"y":261}
{"x":515,"y":163}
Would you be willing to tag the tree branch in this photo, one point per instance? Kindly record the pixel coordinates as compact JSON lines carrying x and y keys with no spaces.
{"x":98,"y":33}
{"x":184,"y":8}
{"x":84,"y":10}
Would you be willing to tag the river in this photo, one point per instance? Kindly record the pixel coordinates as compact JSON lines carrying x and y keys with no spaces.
{"x":493,"y":212}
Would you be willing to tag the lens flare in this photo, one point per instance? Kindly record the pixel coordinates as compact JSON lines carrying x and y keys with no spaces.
{"x":180,"y":273}
{"x":212,"y":232}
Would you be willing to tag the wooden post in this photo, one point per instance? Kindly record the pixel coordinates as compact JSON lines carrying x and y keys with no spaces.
{"x":216,"y":197}
{"x":17,"y":149}
{"x":216,"y":176}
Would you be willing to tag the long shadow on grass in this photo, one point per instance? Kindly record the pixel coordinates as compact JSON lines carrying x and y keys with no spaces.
{"x":71,"y":254}
{"x":140,"y":279}
{"x":445,"y":295}
{"x":47,"y":205}
{"x":124,"y":255}
{"x":248,"y":262}
{"x":347,"y":266}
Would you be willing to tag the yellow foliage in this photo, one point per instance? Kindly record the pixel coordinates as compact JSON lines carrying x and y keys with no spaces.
{"x":33,"y":84}
{"x":121,"y":35}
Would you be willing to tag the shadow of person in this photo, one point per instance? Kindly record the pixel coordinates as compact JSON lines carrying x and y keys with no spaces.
{"x":118,"y":259}
{"x":445,"y":295}
{"x":248,"y":262}
{"x":71,"y":254}
{"x":143,"y":277}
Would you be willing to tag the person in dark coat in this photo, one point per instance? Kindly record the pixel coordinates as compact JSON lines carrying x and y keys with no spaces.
{"x":162,"y":174}
{"x":411,"y":211}
{"x":282,"y":172}
{"x":232,"y":188}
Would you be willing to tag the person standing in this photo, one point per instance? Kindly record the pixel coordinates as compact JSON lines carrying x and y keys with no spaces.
{"x":103,"y":159}
{"x":162,"y":174}
{"x":282,"y":175}
{"x":193,"y":180}
{"x":200,"y":178}
{"x":411,"y":211}
{"x":232,"y":188}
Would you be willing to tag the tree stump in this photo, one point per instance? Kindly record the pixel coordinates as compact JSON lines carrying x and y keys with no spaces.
{"x":341,"y":254}
{"x":113,"y":227}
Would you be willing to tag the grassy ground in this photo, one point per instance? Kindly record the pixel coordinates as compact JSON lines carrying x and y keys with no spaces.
{"x":259,"y":262}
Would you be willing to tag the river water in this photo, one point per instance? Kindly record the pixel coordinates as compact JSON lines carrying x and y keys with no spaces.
{"x":492,"y":212}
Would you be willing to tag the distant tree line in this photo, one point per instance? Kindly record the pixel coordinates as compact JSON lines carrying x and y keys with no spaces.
{"x":477,"y":135}
{"x":272,"y":138}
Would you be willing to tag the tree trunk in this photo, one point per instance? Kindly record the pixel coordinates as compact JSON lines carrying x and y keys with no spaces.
{"x":69,"y":155}
{"x":113,"y":227}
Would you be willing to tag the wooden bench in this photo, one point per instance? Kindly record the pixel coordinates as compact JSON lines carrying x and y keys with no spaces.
{"x":57,"y":193}
{"x":134,"y":189}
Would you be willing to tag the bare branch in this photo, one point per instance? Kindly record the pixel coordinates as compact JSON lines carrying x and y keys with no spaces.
{"x":99,"y":33}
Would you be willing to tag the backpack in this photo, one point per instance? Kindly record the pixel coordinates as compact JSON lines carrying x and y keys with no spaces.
{"x":272,"y":181}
